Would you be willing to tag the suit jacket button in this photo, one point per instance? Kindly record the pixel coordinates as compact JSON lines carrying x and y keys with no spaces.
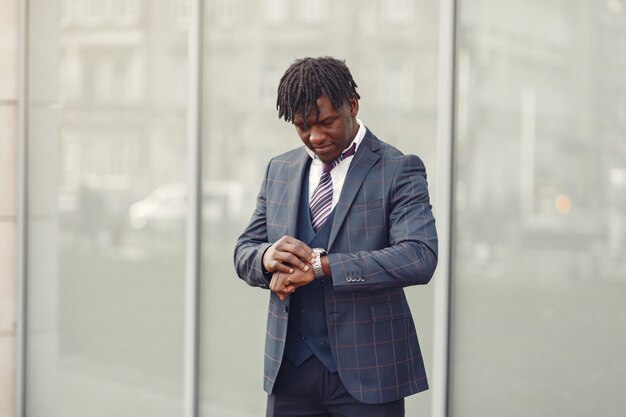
{"x":286,"y":309}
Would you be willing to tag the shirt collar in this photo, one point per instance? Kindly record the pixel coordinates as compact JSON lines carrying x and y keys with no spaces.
{"x":360,"y":134}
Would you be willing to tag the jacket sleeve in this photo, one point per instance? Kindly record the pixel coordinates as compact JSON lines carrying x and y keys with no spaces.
{"x":253,"y":243}
{"x":411,"y":255}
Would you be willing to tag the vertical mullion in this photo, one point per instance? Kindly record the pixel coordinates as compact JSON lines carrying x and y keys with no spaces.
{"x":445,"y":141}
{"x":22,"y":213}
{"x":194,"y":219}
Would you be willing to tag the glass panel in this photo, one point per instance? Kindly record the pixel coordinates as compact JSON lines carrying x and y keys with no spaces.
{"x":249,"y":45}
{"x":106,"y":208}
{"x":539,"y":293}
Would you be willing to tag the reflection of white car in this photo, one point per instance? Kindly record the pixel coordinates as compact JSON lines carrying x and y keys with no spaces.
{"x":166,"y":207}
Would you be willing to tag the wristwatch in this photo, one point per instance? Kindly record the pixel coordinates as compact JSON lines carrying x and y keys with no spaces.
{"x":317,"y":262}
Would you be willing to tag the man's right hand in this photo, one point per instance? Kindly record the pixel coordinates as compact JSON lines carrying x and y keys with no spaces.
{"x":285,"y":254}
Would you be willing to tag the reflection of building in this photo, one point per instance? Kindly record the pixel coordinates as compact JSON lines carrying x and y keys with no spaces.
{"x":527,"y":96}
{"x":112,"y":58}
{"x":119,"y":121}
{"x":398,"y":89}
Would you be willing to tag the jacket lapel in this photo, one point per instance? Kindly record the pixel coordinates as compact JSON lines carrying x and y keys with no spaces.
{"x":363,"y":161}
{"x":296,"y":173}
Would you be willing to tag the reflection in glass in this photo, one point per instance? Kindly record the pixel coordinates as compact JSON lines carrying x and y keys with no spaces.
{"x":539,"y":287}
{"x":106,"y":130}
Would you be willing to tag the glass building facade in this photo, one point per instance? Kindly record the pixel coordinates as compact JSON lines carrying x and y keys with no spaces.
{"x":537,"y":228}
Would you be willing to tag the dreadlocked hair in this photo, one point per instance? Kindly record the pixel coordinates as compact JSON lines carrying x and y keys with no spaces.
{"x":308,"y":79}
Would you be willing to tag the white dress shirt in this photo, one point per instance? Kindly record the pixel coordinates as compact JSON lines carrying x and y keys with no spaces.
{"x":338,"y":173}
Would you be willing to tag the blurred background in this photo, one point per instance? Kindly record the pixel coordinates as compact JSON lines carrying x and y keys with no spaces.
{"x":538,"y":228}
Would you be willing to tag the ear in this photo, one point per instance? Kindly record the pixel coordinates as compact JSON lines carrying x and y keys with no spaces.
{"x":354,"y":106}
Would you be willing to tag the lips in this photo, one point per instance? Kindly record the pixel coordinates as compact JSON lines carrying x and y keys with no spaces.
{"x":323,"y":149}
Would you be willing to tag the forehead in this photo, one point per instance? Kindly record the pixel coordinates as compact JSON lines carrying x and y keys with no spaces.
{"x":323,"y":107}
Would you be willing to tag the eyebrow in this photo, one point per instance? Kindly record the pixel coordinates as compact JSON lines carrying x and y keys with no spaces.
{"x":298,"y":119}
{"x":326,"y":118}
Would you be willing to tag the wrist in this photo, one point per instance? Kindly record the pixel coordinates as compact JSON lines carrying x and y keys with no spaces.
{"x":316,"y":263}
{"x":263,"y":267}
{"x":326,"y":266}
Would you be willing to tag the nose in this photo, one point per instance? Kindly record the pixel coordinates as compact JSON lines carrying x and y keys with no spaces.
{"x":317,"y":135}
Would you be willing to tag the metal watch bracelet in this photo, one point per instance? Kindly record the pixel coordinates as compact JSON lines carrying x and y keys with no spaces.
{"x":318,"y":272}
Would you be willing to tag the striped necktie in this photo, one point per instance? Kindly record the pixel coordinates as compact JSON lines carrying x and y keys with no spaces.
{"x":322,"y":198}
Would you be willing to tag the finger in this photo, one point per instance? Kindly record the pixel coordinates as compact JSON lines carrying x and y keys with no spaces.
{"x":287,"y":250}
{"x":273,"y":284}
{"x":295,"y":246}
{"x":288,"y":287}
{"x":295,"y":260}
{"x":285,"y":292}
{"x":299,"y":249}
{"x":280,"y":283}
{"x":277,"y":283}
{"x":278,"y":266}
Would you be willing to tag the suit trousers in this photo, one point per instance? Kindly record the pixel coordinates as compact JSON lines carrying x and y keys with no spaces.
{"x":311,"y":390}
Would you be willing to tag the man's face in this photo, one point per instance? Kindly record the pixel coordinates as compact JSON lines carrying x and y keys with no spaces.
{"x":330,"y":131}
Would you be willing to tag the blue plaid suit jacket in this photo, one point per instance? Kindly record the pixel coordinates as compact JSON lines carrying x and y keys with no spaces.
{"x":382,"y":239}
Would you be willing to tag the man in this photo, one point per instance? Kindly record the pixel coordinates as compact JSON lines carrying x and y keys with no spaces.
{"x":341,"y":225}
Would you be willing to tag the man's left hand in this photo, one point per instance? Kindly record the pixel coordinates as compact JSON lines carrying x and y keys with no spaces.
{"x":284,"y":284}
